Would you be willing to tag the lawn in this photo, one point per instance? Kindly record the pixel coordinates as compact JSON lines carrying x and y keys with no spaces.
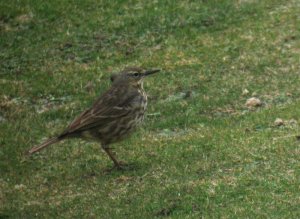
{"x":201,"y":153}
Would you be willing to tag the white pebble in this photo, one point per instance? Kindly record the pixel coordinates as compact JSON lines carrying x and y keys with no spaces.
{"x":253,"y":102}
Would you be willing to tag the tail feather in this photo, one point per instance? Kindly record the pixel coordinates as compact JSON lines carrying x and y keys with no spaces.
{"x":44,"y":144}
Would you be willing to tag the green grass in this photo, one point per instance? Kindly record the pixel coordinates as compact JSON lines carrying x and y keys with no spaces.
{"x":201,"y":152}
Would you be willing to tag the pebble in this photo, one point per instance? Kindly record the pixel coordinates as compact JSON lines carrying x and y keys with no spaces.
{"x":253,"y":102}
{"x":278,"y":122}
{"x":245,"y":92}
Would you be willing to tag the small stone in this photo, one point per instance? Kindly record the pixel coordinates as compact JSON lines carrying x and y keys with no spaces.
{"x":245,"y":92}
{"x":253,"y":102}
{"x":293,"y":122}
{"x":278,"y":122}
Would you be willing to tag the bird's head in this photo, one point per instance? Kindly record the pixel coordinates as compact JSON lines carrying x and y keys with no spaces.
{"x":132,"y":75}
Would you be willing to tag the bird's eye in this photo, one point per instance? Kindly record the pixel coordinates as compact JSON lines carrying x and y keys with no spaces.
{"x":136,"y":74}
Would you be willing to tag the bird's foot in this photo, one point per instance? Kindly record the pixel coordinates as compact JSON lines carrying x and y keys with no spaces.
{"x":121,"y":165}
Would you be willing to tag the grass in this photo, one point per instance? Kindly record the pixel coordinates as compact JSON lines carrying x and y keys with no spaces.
{"x":201,"y":152}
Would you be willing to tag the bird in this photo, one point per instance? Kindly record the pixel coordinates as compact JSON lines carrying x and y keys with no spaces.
{"x":113,"y":116}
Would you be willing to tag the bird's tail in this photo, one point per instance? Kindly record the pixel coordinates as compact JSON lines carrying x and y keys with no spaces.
{"x":44,"y":144}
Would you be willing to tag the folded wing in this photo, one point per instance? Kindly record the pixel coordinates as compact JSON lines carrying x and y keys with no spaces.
{"x":107,"y":108}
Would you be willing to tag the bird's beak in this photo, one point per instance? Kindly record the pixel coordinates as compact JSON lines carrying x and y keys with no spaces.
{"x":150,"y":72}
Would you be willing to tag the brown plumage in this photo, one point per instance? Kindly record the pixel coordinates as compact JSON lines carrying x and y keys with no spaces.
{"x":113,"y":116}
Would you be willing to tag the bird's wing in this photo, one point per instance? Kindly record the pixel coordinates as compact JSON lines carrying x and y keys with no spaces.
{"x":111,"y":105}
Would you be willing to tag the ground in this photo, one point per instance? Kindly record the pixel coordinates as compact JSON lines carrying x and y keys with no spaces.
{"x":201,"y":153}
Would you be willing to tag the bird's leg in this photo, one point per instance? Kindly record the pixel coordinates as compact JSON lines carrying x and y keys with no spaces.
{"x":112,"y":157}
